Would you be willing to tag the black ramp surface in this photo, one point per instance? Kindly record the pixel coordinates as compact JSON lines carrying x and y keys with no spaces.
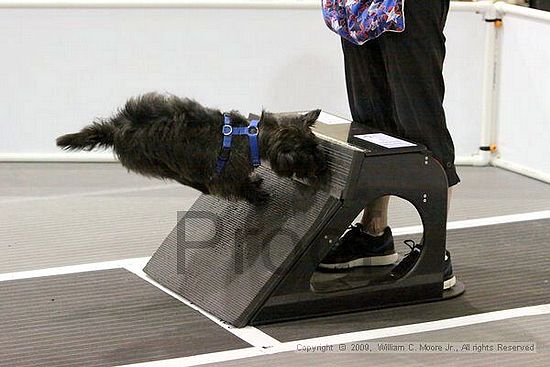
{"x":503,"y":266}
{"x":102,"y":318}
{"x":531,"y":330}
{"x":245,"y":249}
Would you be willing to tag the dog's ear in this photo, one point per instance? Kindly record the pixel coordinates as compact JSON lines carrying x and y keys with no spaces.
{"x":311,"y":117}
{"x":266,"y":116}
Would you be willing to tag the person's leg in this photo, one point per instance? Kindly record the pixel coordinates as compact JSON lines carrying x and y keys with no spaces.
{"x":414,"y":68}
{"x":370,"y":104}
{"x":369,"y":96}
{"x":375,"y":216}
{"x":395,"y":84}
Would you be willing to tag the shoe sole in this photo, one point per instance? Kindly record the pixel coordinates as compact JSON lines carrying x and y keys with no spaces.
{"x":364,"y":261}
{"x":449,"y":283}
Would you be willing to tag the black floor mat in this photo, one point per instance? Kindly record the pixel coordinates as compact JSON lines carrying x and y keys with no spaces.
{"x":101,"y":318}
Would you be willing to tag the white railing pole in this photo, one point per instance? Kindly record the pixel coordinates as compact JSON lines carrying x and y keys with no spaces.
{"x":95,"y":157}
{"x":521,"y":169}
{"x":533,"y":14}
{"x":471,"y":7}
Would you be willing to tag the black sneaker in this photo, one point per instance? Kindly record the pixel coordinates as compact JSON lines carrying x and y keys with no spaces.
{"x":449,"y":280}
{"x":357,"y":248}
{"x":406,"y":264}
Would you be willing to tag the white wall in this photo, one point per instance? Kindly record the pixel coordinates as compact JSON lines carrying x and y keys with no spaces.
{"x":60,"y":68}
{"x":524,"y":100}
{"x":463,"y":73}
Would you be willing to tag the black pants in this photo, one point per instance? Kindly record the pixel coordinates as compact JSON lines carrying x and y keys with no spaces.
{"x":395,"y":82}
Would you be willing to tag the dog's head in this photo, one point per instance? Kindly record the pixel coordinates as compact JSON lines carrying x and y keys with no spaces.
{"x":292,"y":148}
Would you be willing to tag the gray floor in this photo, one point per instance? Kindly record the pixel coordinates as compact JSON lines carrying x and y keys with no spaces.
{"x":64,"y":214}
{"x":534,"y":329}
{"x":67,"y":214}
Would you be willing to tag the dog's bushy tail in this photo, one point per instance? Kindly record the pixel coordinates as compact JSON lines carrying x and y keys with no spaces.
{"x":98,"y":134}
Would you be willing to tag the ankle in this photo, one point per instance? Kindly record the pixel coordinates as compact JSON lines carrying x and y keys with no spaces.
{"x":375,"y":232}
{"x":378,"y":234}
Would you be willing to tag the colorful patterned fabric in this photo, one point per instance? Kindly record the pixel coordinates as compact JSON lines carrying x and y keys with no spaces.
{"x":359,"y":21}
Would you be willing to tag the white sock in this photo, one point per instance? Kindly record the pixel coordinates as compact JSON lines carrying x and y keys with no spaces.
{"x":379,"y":234}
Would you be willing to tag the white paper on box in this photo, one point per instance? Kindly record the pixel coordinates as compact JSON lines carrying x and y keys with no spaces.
{"x":385,"y":141}
{"x":328,"y":119}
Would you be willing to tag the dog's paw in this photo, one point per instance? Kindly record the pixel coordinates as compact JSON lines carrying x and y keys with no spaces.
{"x":258,"y":198}
{"x":256,"y":180}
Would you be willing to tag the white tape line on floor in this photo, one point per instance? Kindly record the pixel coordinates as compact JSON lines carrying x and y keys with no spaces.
{"x":201,"y":359}
{"x":480,"y":222}
{"x":249,"y":334}
{"x":71,"y":269}
{"x":89,"y":193}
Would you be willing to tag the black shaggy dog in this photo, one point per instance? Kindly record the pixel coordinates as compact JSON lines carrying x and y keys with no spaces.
{"x":172,"y":138}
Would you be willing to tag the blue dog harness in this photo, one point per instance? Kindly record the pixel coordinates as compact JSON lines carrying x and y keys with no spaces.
{"x":228,"y":131}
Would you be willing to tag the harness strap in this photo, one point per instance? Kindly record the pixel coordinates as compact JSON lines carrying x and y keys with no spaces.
{"x":228,"y":131}
{"x":253,"y":143}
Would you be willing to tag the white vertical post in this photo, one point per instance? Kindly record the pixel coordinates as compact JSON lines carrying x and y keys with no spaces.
{"x":489,"y":96}
{"x":489,"y":86}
